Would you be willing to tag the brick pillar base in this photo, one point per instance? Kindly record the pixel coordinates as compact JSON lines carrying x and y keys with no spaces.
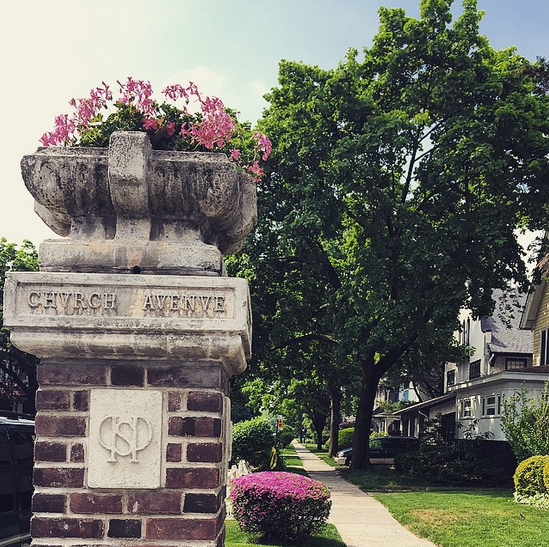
{"x":188,"y":505}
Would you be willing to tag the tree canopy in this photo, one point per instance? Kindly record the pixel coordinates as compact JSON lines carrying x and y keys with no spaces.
{"x":396,"y":188}
{"x":17,"y":368}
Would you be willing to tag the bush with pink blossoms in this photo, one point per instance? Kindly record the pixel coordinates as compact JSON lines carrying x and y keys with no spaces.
{"x":183,"y":120}
{"x":279,"y":505}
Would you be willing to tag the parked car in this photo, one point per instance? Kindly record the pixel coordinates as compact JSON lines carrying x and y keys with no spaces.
{"x":16,"y":462}
{"x":382,"y":450}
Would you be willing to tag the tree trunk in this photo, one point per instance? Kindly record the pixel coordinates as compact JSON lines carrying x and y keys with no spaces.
{"x":363,"y":422}
{"x":319,"y":421}
{"x":335,"y":419}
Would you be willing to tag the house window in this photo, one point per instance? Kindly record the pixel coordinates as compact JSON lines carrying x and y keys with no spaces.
{"x":474,"y":370}
{"x":465,"y":408}
{"x":451,"y":378}
{"x":491,"y":405}
{"x":544,"y":349}
{"x":515,"y":364}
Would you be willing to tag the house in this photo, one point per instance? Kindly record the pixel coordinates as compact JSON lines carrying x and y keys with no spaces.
{"x":501,"y":362}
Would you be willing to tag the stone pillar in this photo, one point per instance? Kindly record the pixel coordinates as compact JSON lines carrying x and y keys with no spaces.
{"x":133,"y":424}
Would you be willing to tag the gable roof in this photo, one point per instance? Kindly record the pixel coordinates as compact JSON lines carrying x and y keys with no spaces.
{"x":528,"y":319}
{"x":504,"y":324}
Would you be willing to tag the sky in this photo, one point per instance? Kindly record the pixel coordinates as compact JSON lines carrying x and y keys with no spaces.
{"x":53,"y":51}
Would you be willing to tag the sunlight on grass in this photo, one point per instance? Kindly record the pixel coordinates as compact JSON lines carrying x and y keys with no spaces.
{"x":236,"y":538}
{"x":469,"y":518}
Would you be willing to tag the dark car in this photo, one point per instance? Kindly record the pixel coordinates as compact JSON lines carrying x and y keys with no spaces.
{"x":16,"y":462}
{"x":382,"y":450}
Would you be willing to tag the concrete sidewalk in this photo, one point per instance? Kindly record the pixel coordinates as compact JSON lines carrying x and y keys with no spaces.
{"x":359,"y":518}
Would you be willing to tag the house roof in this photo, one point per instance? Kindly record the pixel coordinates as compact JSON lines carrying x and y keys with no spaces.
{"x":426,"y":404}
{"x":504,"y":325}
{"x":531,"y":307}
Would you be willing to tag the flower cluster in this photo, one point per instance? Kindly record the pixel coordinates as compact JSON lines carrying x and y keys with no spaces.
{"x":280,"y":505}
{"x":190,"y":121}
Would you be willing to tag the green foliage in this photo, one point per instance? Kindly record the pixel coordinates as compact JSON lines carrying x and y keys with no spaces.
{"x":19,"y":367}
{"x":254,"y":441}
{"x":280,"y":505}
{"x":529,"y":476}
{"x":286,"y":436}
{"x":345,"y":437}
{"x":449,"y":464}
{"x":525,"y":422}
{"x":392,"y":199}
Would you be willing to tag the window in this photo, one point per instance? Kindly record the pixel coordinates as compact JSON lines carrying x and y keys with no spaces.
{"x":451,"y":378}
{"x":515,"y":364}
{"x":491,"y":405}
{"x":465,"y":408}
{"x":544,"y":349}
{"x":474,"y":370}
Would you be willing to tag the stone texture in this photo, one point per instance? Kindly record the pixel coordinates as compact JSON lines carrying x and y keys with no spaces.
{"x":149,"y":210}
{"x":69,"y":317}
{"x":133,"y":413}
{"x":124,"y":444}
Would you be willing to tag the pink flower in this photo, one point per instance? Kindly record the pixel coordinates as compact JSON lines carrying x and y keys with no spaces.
{"x":234,"y":154}
{"x":264,"y":144}
{"x":149,"y":124}
{"x":170,"y":128}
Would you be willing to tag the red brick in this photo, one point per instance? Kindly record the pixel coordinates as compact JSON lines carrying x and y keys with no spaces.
{"x":80,"y":400}
{"x":203,"y":477}
{"x":48,"y":503}
{"x":66,"y":528}
{"x":151,"y":503}
{"x":96,"y":503}
{"x":124,"y":528}
{"x":59,"y":477}
{"x":175,"y":426}
{"x":173,"y":452}
{"x":174,"y":402}
{"x":204,"y":401}
{"x":77,"y":452}
{"x":182,"y":529}
{"x":52,"y":400}
{"x":186,"y":376}
{"x":72,"y":375}
{"x":60,"y":426}
{"x":194,"y":426}
{"x":123,"y":375}
{"x":50,"y":452}
{"x":204,"y":452}
{"x":202,"y":503}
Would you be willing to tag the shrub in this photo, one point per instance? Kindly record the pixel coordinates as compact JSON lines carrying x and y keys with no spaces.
{"x":525,"y":422}
{"x":286,"y":436}
{"x":254,"y":441}
{"x":345,"y":437}
{"x":279,"y":505}
{"x":451,"y":464}
{"x":529,"y":479}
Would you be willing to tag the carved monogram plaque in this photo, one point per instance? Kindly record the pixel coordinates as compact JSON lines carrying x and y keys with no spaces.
{"x":125,"y":439}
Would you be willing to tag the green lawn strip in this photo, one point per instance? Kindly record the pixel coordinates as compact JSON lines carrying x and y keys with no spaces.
{"x":291,"y":459}
{"x":469,"y":518}
{"x":329,"y":537}
{"x":382,"y":478}
{"x":322,"y":454}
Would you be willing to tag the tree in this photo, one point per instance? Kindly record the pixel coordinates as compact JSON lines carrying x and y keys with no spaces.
{"x":18,"y":369}
{"x":525,"y":423}
{"x":397,"y":183}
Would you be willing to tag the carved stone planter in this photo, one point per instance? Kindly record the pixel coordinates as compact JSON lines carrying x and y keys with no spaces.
{"x":129,"y":208}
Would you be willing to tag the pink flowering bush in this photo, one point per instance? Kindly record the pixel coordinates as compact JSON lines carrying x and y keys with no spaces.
{"x":184,"y":120}
{"x":279,"y":505}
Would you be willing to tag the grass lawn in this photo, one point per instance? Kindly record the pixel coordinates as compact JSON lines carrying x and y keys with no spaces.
{"x":382,"y":478}
{"x":236,"y":538}
{"x":322,"y":454}
{"x":469,"y":518}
